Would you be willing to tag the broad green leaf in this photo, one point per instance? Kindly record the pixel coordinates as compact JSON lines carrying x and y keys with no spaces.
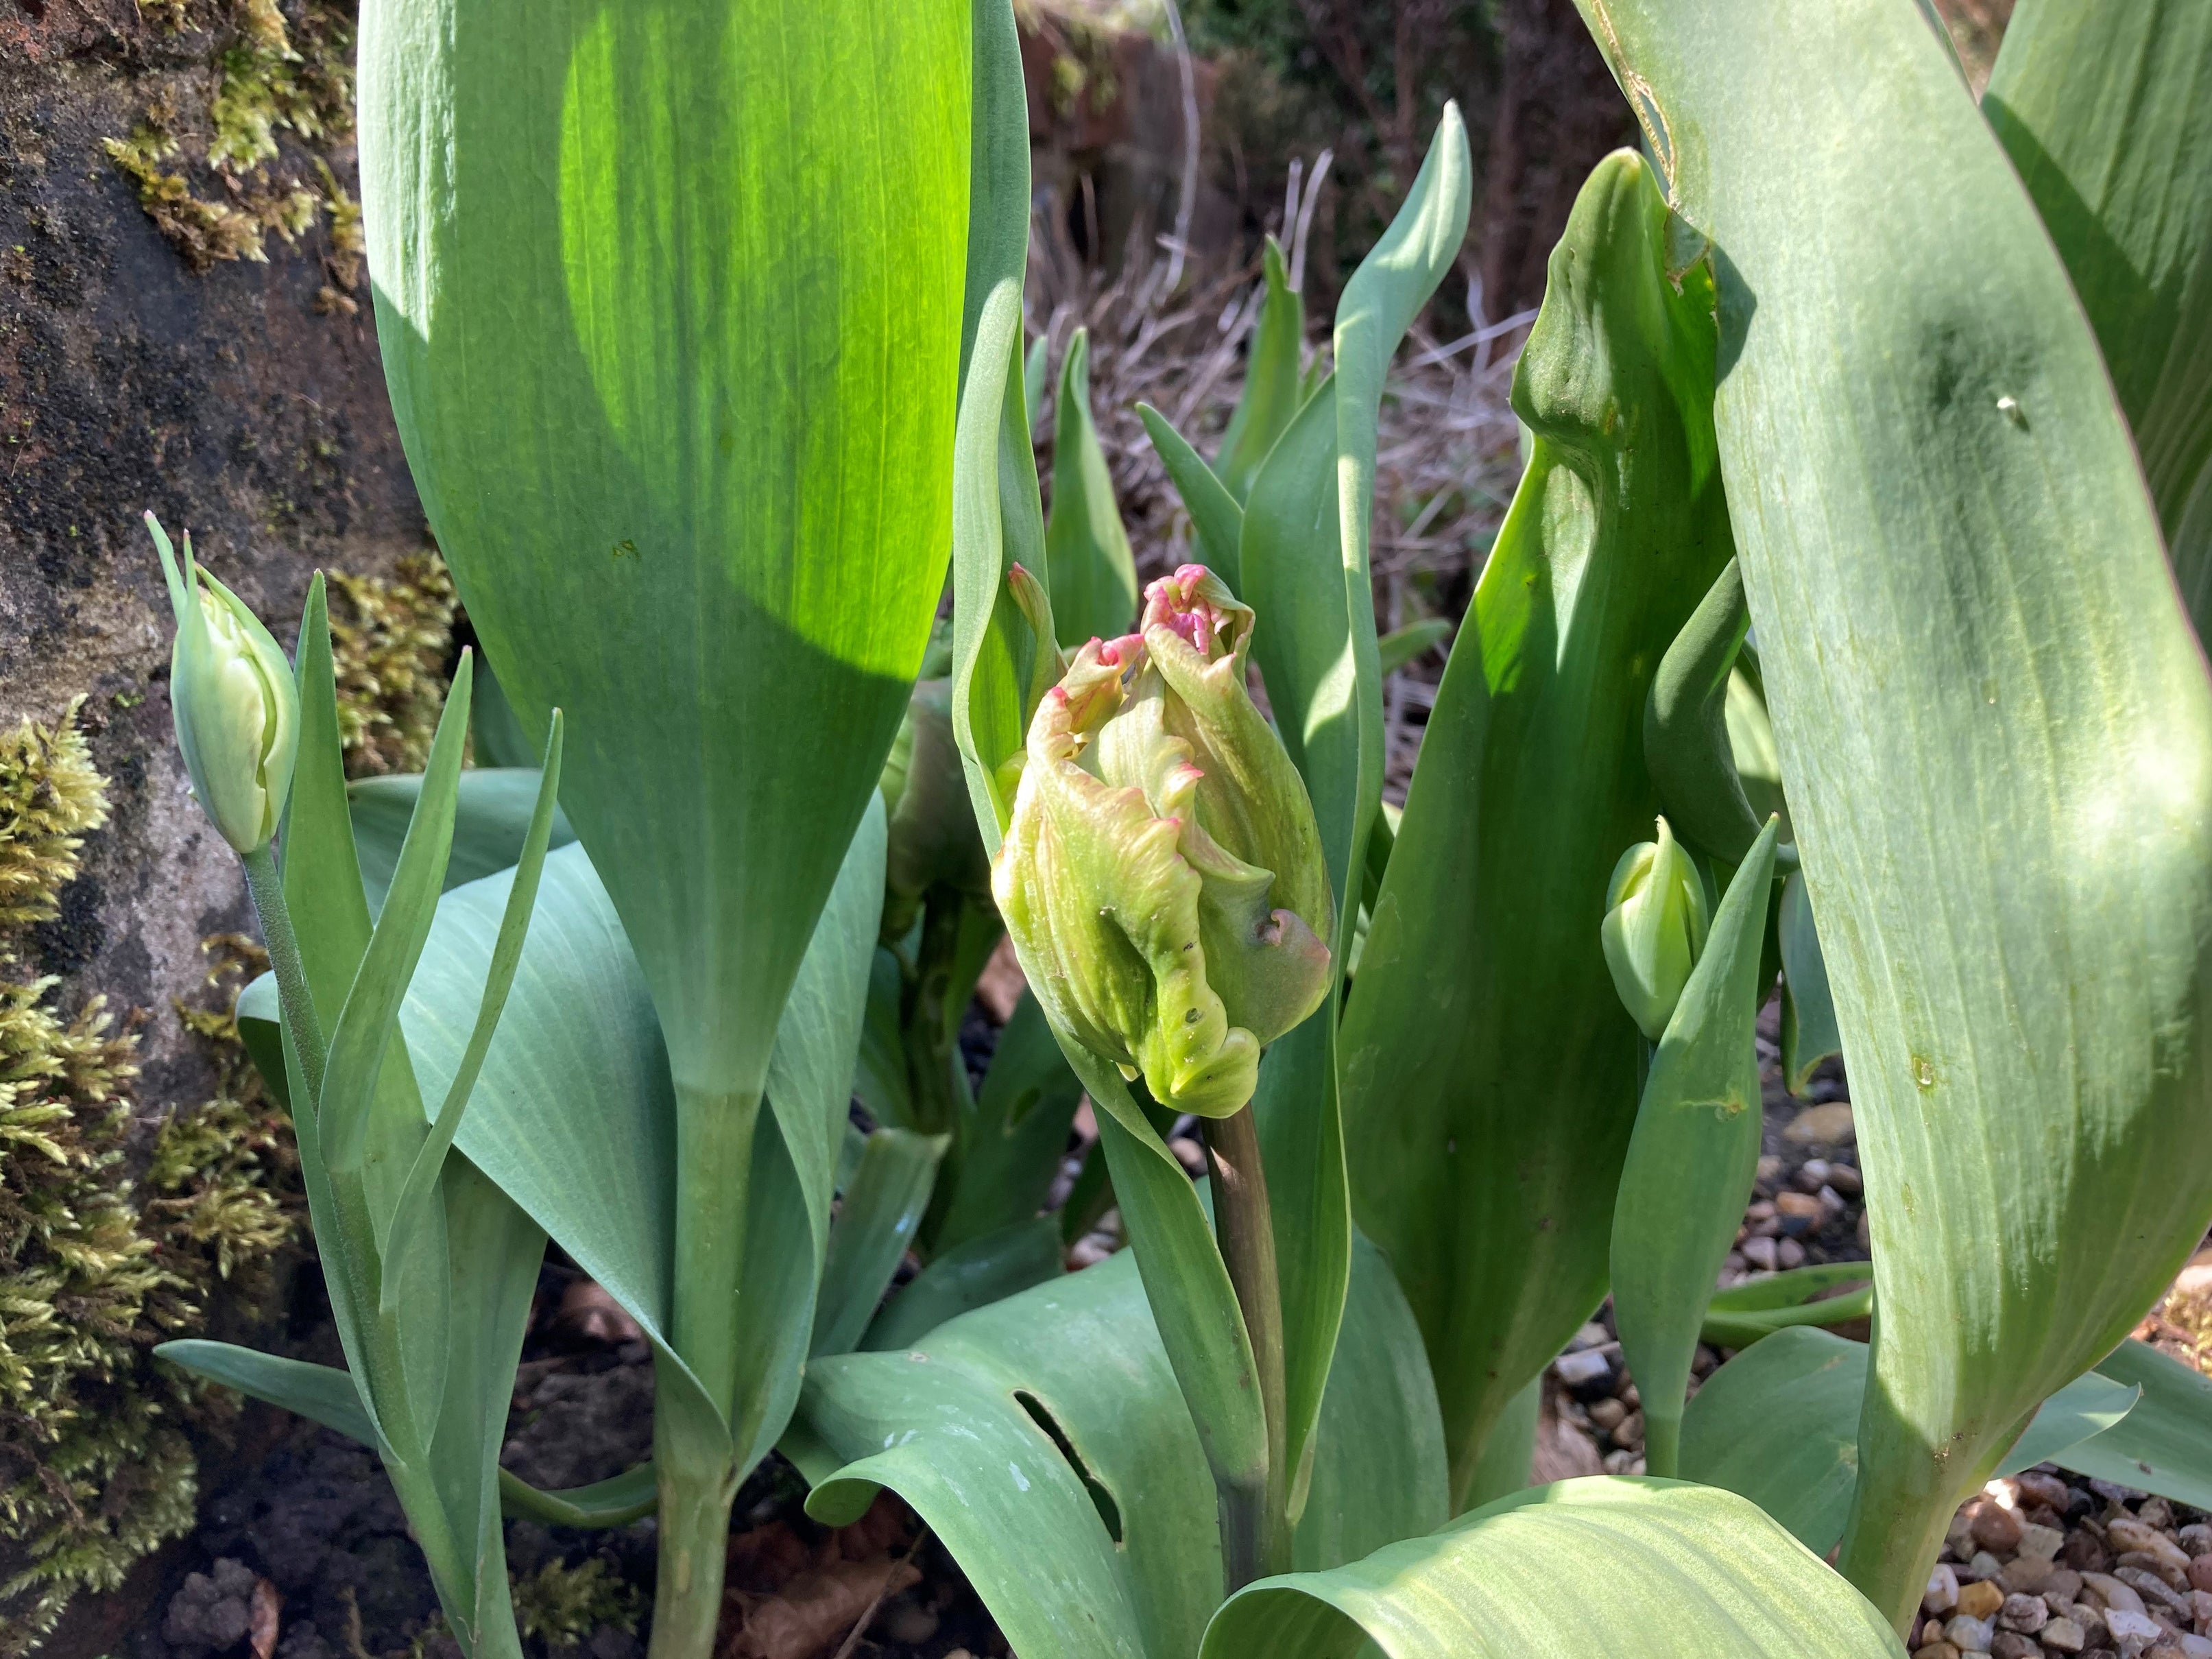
{"x":1272,"y":393}
{"x":1794,"y":1287}
{"x":1012,"y":1144}
{"x":1692,"y":1159}
{"x":718,"y":540}
{"x":1808,"y":1012}
{"x":2104,"y":111}
{"x":1489,"y":1069}
{"x":2165,"y":1445}
{"x":1216,"y":516}
{"x":1751,"y":742}
{"x":970,"y":1275}
{"x":1045,"y":1440}
{"x":1094,"y":578}
{"x":1779,"y":1422}
{"x":2002,"y":790}
{"x":876,"y":1219}
{"x":1685,"y":739}
{"x":1654,"y":1568}
{"x":489,"y":821}
{"x":1402,"y":645}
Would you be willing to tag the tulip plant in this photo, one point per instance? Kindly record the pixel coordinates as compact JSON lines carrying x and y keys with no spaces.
{"x":1833,"y":638}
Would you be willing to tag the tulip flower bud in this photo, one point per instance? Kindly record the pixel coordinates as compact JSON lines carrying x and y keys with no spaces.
{"x":237,"y":710}
{"x":1161,"y":878}
{"x":1654,"y":928}
{"x":933,"y":841}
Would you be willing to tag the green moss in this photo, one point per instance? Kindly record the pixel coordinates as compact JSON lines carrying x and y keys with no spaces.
{"x":94,"y":1468}
{"x":50,"y":795}
{"x":392,"y":642}
{"x":225,"y":197}
{"x":561,"y":1605}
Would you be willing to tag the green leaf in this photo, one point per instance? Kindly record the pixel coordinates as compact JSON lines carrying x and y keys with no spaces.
{"x":1692,"y":1159}
{"x":970,"y":1275}
{"x":1752,"y":1309}
{"x":1808,"y":1012}
{"x":2103,"y":112}
{"x":2165,"y":1445}
{"x":880,"y":1213}
{"x":1685,"y":739}
{"x":411,"y":1230}
{"x":881,"y":1080}
{"x":615,"y":1501}
{"x":1664,"y":1570}
{"x":321,"y":1394}
{"x":718,"y":540}
{"x":996,"y":525}
{"x":490,"y":822}
{"x":1045,"y":1440}
{"x":1779,"y":1423}
{"x":1489,"y":1068}
{"x":1094,"y":578}
{"x":496,"y":739}
{"x":2001,"y":792}
{"x":997,"y":177}
{"x":1402,"y":645}
{"x":1272,"y":394}
{"x":1010,"y":1145}
{"x":1216,"y":516}
{"x":1035,"y":380}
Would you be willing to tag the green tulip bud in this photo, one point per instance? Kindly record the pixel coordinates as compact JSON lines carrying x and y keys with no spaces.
{"x":933,"y":841}
{"x":237,"y":710}
{"x":1161,"y":878}
{"x":1654,"y":928}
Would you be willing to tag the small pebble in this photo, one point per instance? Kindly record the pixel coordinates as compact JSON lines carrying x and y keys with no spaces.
{"x":1997,"y":1528}
{"x":1936,"y":1650}
{"x":1582,"y":1370}
{"x":1798,"y":1213}
{"x":1789,"y":1252}
{"x":1828,"y":1125}
{"x":2011,"y":1644}
{"x":2063,"y":1636}
{"x":1943,"y":1596}
{"x":2047,"y":1490}
{"x":1592,"y":1335}
{"x":1985,"y":1565}
{"x":1607,"y":1413}
{"x":2041,"y":1542}
{"x":2111,"y":1593}
{"x":1770,"y":1170}
{"x":1846,"y":1180}
{"x":1189,"y":1154}
{"x":1760,"y":1253}
{"x":2029,"y":1575}
{"x":1979,"y":1600}
{"x":1630,"y":1433}
{"x":2129,"y":1532}
{"x":2065,"y":1583}
{"x":2196,"y":1538}
{"x":2136,"y":1628}
{"x":1970,"y":1635}
{"x":2153,"y":1589}
{"x":2025,"y":1613}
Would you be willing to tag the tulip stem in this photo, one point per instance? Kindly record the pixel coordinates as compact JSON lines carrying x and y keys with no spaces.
{"x":1255,"y":1541}
{"x":267,"y":887}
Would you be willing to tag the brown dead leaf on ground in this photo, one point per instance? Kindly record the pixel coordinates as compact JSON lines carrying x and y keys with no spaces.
{"x":785,"y":1599}
{"x":587,"y":1309}
{"x":815,"y":1609}
{"x":264,"y":1612}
